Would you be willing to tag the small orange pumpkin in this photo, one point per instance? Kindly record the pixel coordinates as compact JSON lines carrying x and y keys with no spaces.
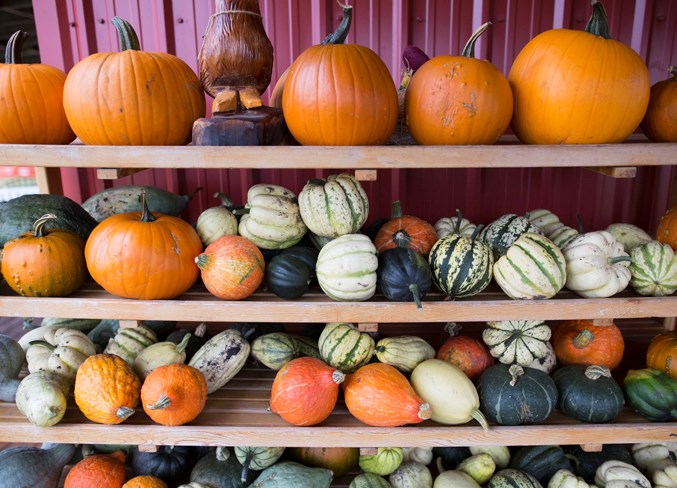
{"x":667,"y":228}
{"x":99,"y":471}
{"x":106,"y":389}
{"x":56,"y":257}
{"x":467,"y":353}
{"x":405,"y":231}
{"x":379,"y":395}
{"x":662,"y":353}
{"x":174,"y":394}
{"x":145,"y":481}
{"x":232,"y":267}
{"x":660,"y":120}
{"x":582,"y":342}
{"x":340,"y":460}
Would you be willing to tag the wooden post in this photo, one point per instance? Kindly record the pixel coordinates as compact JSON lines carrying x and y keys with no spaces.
{"x":365,"y":174}
{"x":130,"y":324}
{"x":592,"y":447}
{"x":367,"y":327}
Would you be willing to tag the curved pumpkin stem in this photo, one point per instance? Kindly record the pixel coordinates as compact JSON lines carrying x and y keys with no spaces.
{"x":469,"y":49}
{"x":396,"y":209}
{"x":146,"y":215}
{"x":673,"y":71}
{"x":39,"y":225}
{"x":341,"y":33}
{"x":598,"y":23}
{"x":161,"y":404}
{"x":127,"y":35}
{"x":14,"y":46}
{"x":413,"y":288}
{"x":459,"y":218}
{"x":476,"y":232}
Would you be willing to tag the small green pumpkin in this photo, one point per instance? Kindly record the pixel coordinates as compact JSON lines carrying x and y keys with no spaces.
{"x":344,"y":347}
{"x":274,"y":350}
{"x":653,"y":269}
{"x":652,"y":393}
{"x":382,"y":462}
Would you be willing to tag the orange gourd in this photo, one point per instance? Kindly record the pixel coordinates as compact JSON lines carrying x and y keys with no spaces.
{"x":132,"y":97}
{"x":379,"y":395}
{"x":32,"y":110}
{"x":467,"y":353}
{"x":232,"y":267}
{"x":56,"y":261}
{"x":578,"y":87}
{"x":662,"y":353}
{"x":305,"y":391}
{"x":405,"y":231}
{"x":340,"y":460}
{"x":582,"y":342}
{"x":458,"y":99}
{"x":145,"y":481}
{"x":340,"y":94}
{"x":143,"y":255}
{"x":98,"y":471}
{"x":660,"y":120}
{"x":667,"y":228}
{"x":106,"y":389}
{"x":174,"y":394}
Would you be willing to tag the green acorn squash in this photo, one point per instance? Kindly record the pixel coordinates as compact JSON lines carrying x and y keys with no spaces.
{"x":504,"y":231}
{"x":652,"y":393}
{"x":589,"y":394}
{"x":541,"y":462}
{"x":344,"y":347}
{"x":287,"y":276}
{"x":403,"y":275}
{"x":306,"y":254}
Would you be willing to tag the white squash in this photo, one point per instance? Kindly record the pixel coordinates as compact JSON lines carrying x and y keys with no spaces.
{"x":564,"y":478}
{"x":42,"y":397}
{"x":629,"y":235}
{"x":215,"y":222}
{"x":454,"y":225}
{"x":544,"y":219}
{"x":617,"y":474}
{"x":61,"y":351}
{"x":128,"y":342}
{"x":666,"y":477}
{"x":562,"y":235}
{"x":411,"y":474}
{"x":423,"y":455}
{"x":517,"y":341}
{"x":346,"y":268}
{"x":454,"y":479}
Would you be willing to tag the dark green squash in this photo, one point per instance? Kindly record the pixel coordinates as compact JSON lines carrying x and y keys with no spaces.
{"x":652,"y":393}
{"x":403,"y":275}
{"x":306,"y":254}
{"x":513,"y":478}
{"x":252,"y":330}
{"x":172,"y":464}
{"x":287,"y":276}
{"x":19,"y":214}
{"x":586,"y":463}
{"x":198,"y":337}
{"x":516,"y":395}
{"x":218,"y":472}
{"x":11,"y":361}
{"x":448,"y":457}
{"x":34,"y":466}
{"x":589,"y":394}
{"x":541,"y":462}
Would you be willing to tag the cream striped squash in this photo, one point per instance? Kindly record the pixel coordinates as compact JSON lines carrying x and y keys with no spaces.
{"x":454,"y":225}
{"x":544,"y":220}
{"x":533,"y":267}
{"x":344,"y":347}
{"x":653,"y":269}
{"x":517,"y":341}
{"x":346,"y":268}
{"x":562,"y":235}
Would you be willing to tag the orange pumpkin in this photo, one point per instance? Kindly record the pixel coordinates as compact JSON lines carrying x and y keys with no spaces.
{"x":578,"y":87}
{"x":99,"y":471}
{"x":106,"y":389}
{"x":305,"y":391}
{"x":662,"y":353}
{"x":405,"y":231}
{"x":145,"y":481}
{"x":660,"y":120}
{"x":458,"y":99}
{"x":232,"y":267}
{"x":32,"y":110}
{"x":340,"y":94}
{"x":57,"y":261}
{"x":379,"y":395}
{"x":340,"y":460}
{"x":667,"y":228}
{"x":132,"y":97}
{"x":143,"y":255}
{"x":582,"y":342}
{"x":174,"y":394}
{"x":467,"y":353}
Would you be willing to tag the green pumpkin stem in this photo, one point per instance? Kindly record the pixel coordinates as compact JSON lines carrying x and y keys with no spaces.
{"x":469,"y":49}
{"x":181,"y":346}
{"x":620,"y":259}
{"x":396,"y":210}
{"x":476,"y":232}
{"x":413,"y":288}
{"x":225,"y":200}
{"x":341,"y":33}
{"x":124,"y":412}
{"x":146,"y":214}
{"x":240,"y":211}
{"x":161,"y":404}
{"x":127,"y":35}
{"x":598,"y":23}
{"x":459,"y":218}
{"x":14,"y":46}
{"x":245,"y":465}
{"x":39,"y":225}
{"x":479,"y":416}
{"x":583,"y":339}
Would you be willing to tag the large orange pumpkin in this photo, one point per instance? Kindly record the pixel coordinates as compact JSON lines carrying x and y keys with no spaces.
{"x":132,"y":97}
{"x":340,"y":94}
{"x":99,"y":471}
{"x":174,"y":394}
{"x":667,"y":228}
{"x":31,"y":100}
{"x":582,"y":342}
{"x":458,"y":99}
{"x":578,"y":87}
{"x":660,"y":120}
{"x":405,"y":231}
{"x":662,"y":353}
{"x":143,"y":255}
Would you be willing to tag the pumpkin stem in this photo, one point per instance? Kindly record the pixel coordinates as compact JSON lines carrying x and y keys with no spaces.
{"x":459,"y":218}
{"x":396,"y":210}
{"x":598,"y":23}
{"x":515,"y":371}
{"x":341,"y":33}
{"x":245,"y":465}
{"x":620,"y":259}
{"x":124,"y":412}
{"x":146,"y":215}
{"x":222,"y":453}
{"x":424,"y":411}
{"x":14,"y":47}
{"x":595,"y":372}
{"x":200,"y":330}
{"x":452,"y":328}
{"x":479,"y":416}
{"x":241,"y":211}
{"x":476,"y":232}
{"x":469,"y":49}
{"x":161,"y":404}
{"x":127,"y":35}
{"x":202,"y":260}
{"x":583,"y":339}
{"x":579,"y":219}
{"x":413,"y":288}
{"x":338,"y":376}
{"x":39,"y":225}
{"x":181,"y":346}
{"x":225,"y":200}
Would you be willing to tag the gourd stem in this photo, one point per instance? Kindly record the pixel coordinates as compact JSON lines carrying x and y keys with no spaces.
{"x":459,"y":217}
{"x":598,"y":23}
{"x":241,"y":211}
{"x":477,"y":415}
{"x":39,"y":225}
{"x":124,"y":412}
{"x":673,"y":71}
{"x":127,"y":35}
{"x":515,"y":372}
{"x":200,"y":330}
{"x":452,"y":328}
{"x":413,"y":288}
{"x":245,"y":465}
{"x":579,"y":219}
{"x":341,"y":33}
{"x":161,"y":404}
{"x":424,"y":411}
{"x":14,"y":47}
{"x":595,"y":372}
{"x":146,"y":215}
{"x":181,"y":346}
{"x":469,"y":49}
{"x":620,"y":259}
{"x":583,"y":339}
{"x":338,"y":376}
{"x":225,"y":200}
{"x":396,"y":209}
{"x":476,"y":232}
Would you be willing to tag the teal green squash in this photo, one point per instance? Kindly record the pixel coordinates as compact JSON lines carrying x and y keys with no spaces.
{"x":653,"y":269}
{"x":344,"y":347}
{"x":219,"y":468}
{"x":588,"y":394}
{"x":287,"y":276}
{"x":541,"y":462}
{"x":274,"y":350}
{"x":504,"y":231}
{"x":256,"y":458}
{"x":513,"y":478}
{"x":11,"y":361}
{"x":369,"y":480}
{"x":34,"y":467}
{"x":652,"y":393}
{"x":586,"y":463}
{"x":403,"y":275}
{"x":288,"y":474}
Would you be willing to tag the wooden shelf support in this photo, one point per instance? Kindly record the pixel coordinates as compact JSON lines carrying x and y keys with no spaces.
{"x":366,"y":174}
{"x":592,"y":447}
{"x":602,"y":322}
{"x":130,"y":324}
{"x":367,"y":327}
{"x":615,"y":171}
{"x":116,"y":173}
{"x":148,"y":448}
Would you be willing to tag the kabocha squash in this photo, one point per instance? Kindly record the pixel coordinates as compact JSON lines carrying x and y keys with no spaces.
{"x":42,"y":397}
{"x":232,"y":267}
{"x":589,"y":394}
{"x":403,"y":352}
{"x":405,"y":231}
{"x":652,"y":393}
{"x":667,"y":228}
{"x":382,"y":462}
{"x":403,"y":275}
{"x":662,"y":353}
{"x":305,"y":391}
{"x":458,"y":99}
{"x":287,"y":276}
{"x":653,"y":269}
{"x":128,"y":342}
{"x":36,"y":467}
{"x":35,"y":89}
{"x":274,"y":350}
{"x":106,"y":389}
{"x":142,"y":255}
{"x":11,"y":362}
{"x":334,"y":206}
{"x":340,"y":94}
{"x":629,"y":235}
{"x":169,"y":463}
{"x":62,"y":351}
{"x":256,"y":458}
{"x":464,"y":352}
{"x":56,"y":257}
{"x":379,"y":395}
{"x":502,"y":233}
{"x":613,"y":86}
{"x":148,"y":98}
{"x":160,"y":354}
{"x":221,"y":358}
{"x":660,"y":120}
{"x":344,"y":347}
{"x":582,"y":342}
{"x":346,"y":268}
{"x":99,"y":470}
{"x":517,"y":341}
{"x":541,"y":462}
{"x":174,"y":394}
{"x":454,"y":225}
{"x":289,"y":473}
{"x":340,"y":460}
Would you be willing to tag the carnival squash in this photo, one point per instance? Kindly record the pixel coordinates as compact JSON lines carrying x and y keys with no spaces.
{"x":660,"y":121}
{"x":582,"y":342}
{"x":653,"y":269}
{"x":662,"y":353}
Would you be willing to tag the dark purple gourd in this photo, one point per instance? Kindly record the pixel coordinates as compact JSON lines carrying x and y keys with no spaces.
{"x":403,"y":275}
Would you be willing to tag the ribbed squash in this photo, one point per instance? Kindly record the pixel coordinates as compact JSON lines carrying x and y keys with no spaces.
{"x":346,"y":268}
{"x":541,"y":462}
{"x":504,"y":231}
{"x":454,"y":225}
{"x":662,"y":353}
{"x":344,"y":347}
{"x":403,"y":352}
{"x":405,"y":231}
{"x":544,"y":219}
{"x":654,"y":269}
{"x":629,"y":235}
{"x":582,"y":342}
{"x":517,"y":341}
{"x":652,"y":393}
{"x":589,"y":394}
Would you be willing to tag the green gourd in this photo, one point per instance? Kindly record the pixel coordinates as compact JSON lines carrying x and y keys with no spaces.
{"x":219,"y":468}
{"x":11,"y":360}
{"x":652,"y":393}
{"x":42,"y":397}
{"x":160,"y":354}
{"x":274,"y":350}
{"x":256,"y":458}
{"x":369,"y":480}
{"x":37,"y":467}
{"x":291,"y":474}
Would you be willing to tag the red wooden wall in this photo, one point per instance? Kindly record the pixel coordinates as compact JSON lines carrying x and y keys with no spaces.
{"x":69,"y":30}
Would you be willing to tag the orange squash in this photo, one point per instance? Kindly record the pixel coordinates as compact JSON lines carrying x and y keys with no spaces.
{"x":106,"y":389}
{"x":174,"y":394}
{"x":379,"y":395}
{"x":467,"y":353}
{"x":305,"y":391}
{"x":667,"y":228}
{"x":578,"y":87}
{"x":662,"y":353}
{"x":660,"y":120}
{"x":582,"y":342}
{"x":232,"y":267}
{"x":340,"y":460}
{"x":458,"y":99}
{"x":143,"y":255}
{"x":145,"y":481}
{"x":405,"y":231}
{"x":99,"y":471}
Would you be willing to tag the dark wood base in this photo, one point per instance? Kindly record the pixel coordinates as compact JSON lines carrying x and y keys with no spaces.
{"x":261,"y":126}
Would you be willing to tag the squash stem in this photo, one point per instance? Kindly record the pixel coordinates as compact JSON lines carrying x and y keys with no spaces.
{"x":583,"y":339}
{"x":124,"y":412}
{"x":341,"y":33}
{"x":598,"y":23}
{"x":181,"y":346}
{"x":479,"y":416}
{"x":146,"y":215}
{"x":245,"y":466}
{"x":127,"y":35}
{"x":396,"y":209}
{"x":14,"y":47}
{"x":476,"y":232}
{"x":469,"y":49}
{"x":459,"y":217}
{"x":620,"y":259}
{"x":39,"y":225}
{"x":579,"y":220}
{"x":413,"y":288}
{"x":161,"y":404}
{"x":673,"y":71}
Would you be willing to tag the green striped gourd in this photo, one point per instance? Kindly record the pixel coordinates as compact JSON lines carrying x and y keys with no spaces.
{"x":307,"y":346}
{"x":629,"y":235}
{"x":504,"y":231}
{"x":454,"y":225}
{"x":369,"y":480}
{"x":653,"y":269}
{"x":344,"y":347}
{"x":461,"y":265}
{"x":517,"y":341}
{"x":346,"y":268}
{"x":256,"y":458}
{"x":274,"y":350}
{"x":533,"y":267}
{"x":562,"y":235}
{"x":335,"y":206}
{"x":513,"y":478}
{"x":130,"y":341}
{"x":544,"y":219}
{"x":382,"y":462}
{"x":404,"y":352}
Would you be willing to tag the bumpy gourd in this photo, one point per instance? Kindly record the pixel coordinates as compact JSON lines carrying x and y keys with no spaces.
{"x":62,"y":351}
